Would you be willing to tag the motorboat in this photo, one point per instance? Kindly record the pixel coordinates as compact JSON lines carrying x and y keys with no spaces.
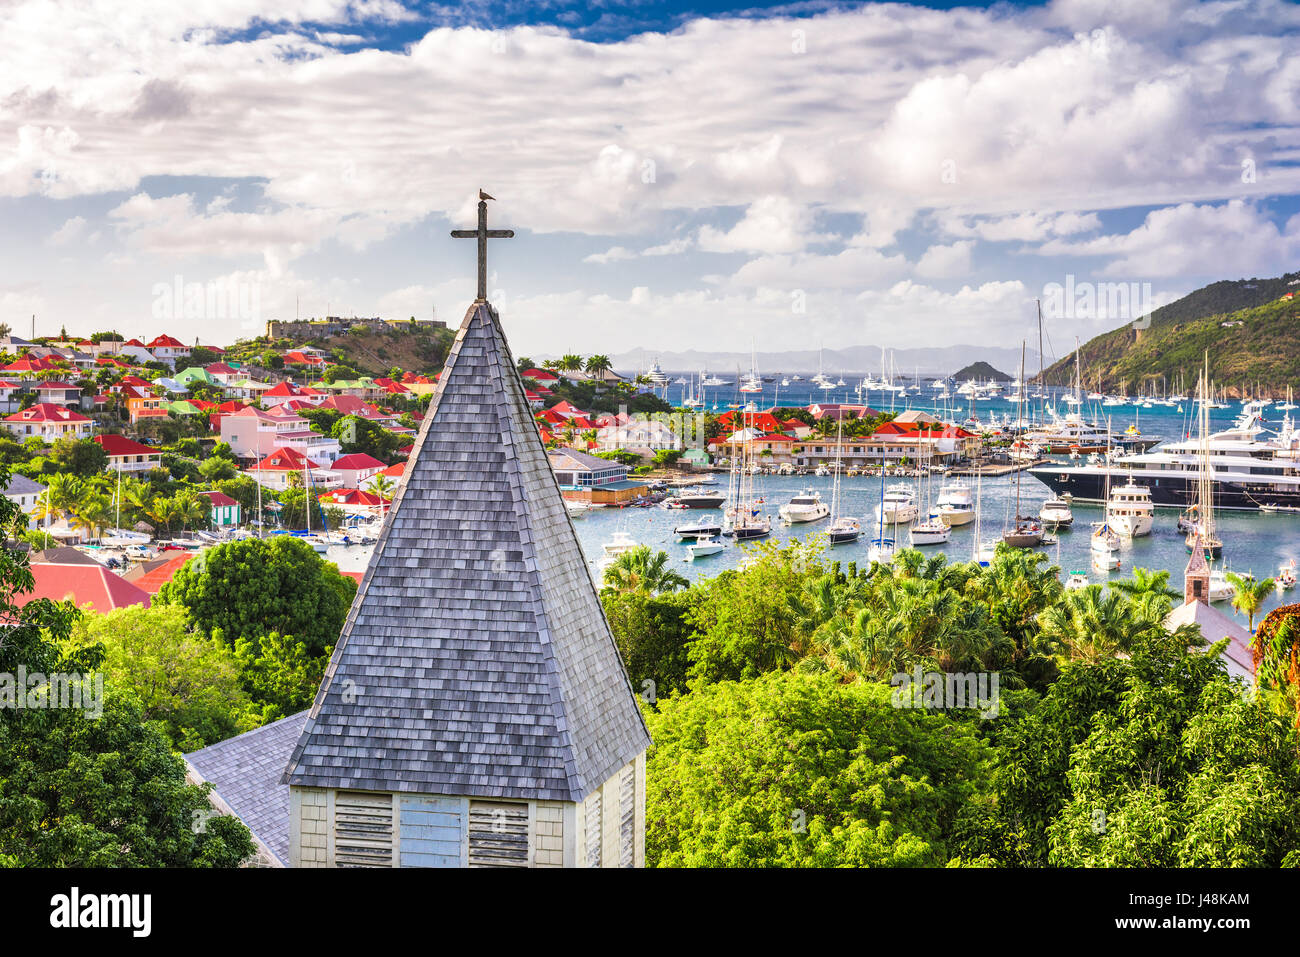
{"x":1285,"y":577}
{"x":621,"y":543}
{"x":706,"y":527}
{"x":805,"y":507}
{"x":898,"y":507}
{"x":1056,"y":513}
{"x":577,"y":508}
{"x":955,"y":505}
{"x":703,"y":546}
{"x":1130,"y":511}
{"x":1220,"y":588}
{"x":1077,"y":581}
{"x":700,"y":498}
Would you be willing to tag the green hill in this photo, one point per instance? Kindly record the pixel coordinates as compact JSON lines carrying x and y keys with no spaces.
{"x":980,"y":372}
{"x":1248,"y":329}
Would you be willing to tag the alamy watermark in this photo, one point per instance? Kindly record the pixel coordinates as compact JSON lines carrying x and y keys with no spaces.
{"x":231,"y":299}
{"x":947,"y":691}
{"x":37,"y":691}
{"x":1131,"y":301}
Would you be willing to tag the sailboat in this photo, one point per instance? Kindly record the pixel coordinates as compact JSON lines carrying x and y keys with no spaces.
{"x":1202,"y":533}
{"x":882,"y":549}
{"x":932,"y":531}
{"x":1026,"y":533}
{"x":843,"y":529}
{"x":746,"y":520}
{"x":1105,"y":543}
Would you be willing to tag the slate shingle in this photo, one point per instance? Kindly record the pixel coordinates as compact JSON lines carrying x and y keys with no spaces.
{"x":476,"y":658}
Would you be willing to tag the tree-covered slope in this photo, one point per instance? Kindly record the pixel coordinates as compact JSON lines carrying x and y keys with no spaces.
{"x":1248,"y":329}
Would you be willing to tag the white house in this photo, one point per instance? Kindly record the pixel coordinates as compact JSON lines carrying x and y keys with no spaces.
{"x":49,"y":422}
{"x":25,"y":493}
{"x":276,"y":471}
{"x":643,"y":436}
{"x":127,"y":455}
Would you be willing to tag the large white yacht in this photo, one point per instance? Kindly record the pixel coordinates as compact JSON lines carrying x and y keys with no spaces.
{"x":1248,"y":469}
{"x":955,"y":505}
{"x":898,"y":506}
{"x":1129,"y":511}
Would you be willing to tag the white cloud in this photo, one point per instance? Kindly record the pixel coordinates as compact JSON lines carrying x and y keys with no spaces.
{"x":613,"y":254}
{"x":772,"y":224}
{"x":69,"y":232}
{"x":1231,"y":240}
{"x":946,"y":262}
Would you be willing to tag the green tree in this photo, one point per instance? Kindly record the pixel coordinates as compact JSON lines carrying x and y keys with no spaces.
{"x":644,"y":571}
{"x":215,"y":469}
{"x":653,"y":636}
{"x":91,"y":786}
{"x":82,"y":457}
{"x":253,"y":587}
{"x":797,"y":770}
{"x":280,"y":672}
{"x":185,"y":681}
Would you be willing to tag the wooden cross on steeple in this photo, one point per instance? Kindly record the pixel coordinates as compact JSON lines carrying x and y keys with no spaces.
{"x":482,"y":234}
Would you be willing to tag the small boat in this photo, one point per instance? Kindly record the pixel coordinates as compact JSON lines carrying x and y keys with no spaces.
{"x":620,"y":543}
{"x":1286,"y":576}
{"x":933,"y":531}
{"x":701,"y":499}
{"x":750,"y":527}
{"x":576,"y":508}
{"x":1056,"y":513}
{"x":1273,"y":508}
{"x":805,"y":507}
{"x":1212,"y":543}
{"x":1078,"y":581}
{"x":706,"y":527}
{"x":704,"y":545}
{"x":1105,"y":561}
{"x":1220,"y":589}
{"x":1025,"y":534}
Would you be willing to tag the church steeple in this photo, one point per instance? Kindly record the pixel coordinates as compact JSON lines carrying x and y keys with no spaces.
{"x":1196,"y":578}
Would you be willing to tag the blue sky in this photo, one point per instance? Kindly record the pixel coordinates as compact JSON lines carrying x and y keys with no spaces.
{"x":678,"y":176}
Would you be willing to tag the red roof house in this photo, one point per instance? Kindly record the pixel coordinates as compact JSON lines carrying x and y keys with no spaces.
{"x":82,"y":584}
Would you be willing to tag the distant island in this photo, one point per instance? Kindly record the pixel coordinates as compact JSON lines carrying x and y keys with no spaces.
{"x":980,"y":372}
{"x":1248,"y":327}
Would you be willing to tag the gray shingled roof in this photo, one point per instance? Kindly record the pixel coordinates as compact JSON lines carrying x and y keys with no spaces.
{"x":246,"y":771}
{"x":476,"y":658}
{"x":22,"y":485}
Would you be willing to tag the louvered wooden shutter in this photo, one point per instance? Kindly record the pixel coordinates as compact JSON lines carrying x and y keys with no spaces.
{"x":363,"y":829}
{"x":627,"y":817}
{"x":593,"y":829}
{"x":498,"y":834}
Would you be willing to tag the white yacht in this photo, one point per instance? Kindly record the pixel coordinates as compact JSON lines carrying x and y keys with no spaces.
{"x":881,"y":550}
{"x":806,"y":507}
{"x":1220,"y":589}
{"x":577,"y":508}
{"x":955,"y":505}
{"x":1130,"y":511}
{"x":707,"y":527}
{"x":898,"y":506}
{"x":620,"y":543}
{"x":1246,"y":469}
{"x":1078,"y":581}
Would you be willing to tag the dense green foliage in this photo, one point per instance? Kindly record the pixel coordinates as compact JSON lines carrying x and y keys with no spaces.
{"x":1110,"y":740}
{"x":248,"y":589}
{"x":1258,"y":348}
{"x":96,"y":785}
{"x":792,"y":770}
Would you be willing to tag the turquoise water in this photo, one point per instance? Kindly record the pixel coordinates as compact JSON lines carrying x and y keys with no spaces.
{"x":1255,"y":543}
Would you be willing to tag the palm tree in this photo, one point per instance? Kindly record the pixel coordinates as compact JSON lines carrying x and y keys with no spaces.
{"x":381,"y":485}
{"x":1091,"y":625}
{"x":61,"y":497}
{"x":640,"y":571}
{"x":191,"y":510}
{"x":570,"y":363}
{"x":1146,"y":582}
{"x":597,"y":364}
{"x":93,"y":512}
{"x":1248,"y":595}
